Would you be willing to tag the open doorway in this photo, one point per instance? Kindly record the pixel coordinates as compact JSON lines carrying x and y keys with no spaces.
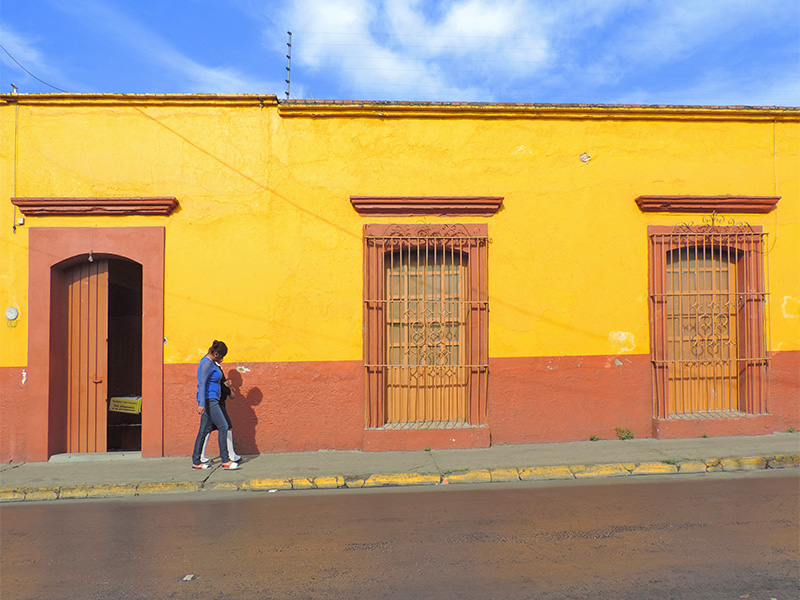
{"x":53,"y":254}
{"x":124,"y":355}
{"x":102,"y":306}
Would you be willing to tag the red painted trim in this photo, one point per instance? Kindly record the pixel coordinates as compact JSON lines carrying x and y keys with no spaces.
{"x":703,"y":204}
{"x":387,"y":206}
{"x":382,"y":440}
{"x":51,"y":248}
{"x":55,"y":206}
{"x":309,"y":406}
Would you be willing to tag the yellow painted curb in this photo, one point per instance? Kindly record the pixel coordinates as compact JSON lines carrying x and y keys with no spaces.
{"x":781,"y":461}
{"x":713,"y":465}
{"x":228,"y":487}
{"x":302,"y":483}
{"x":111,"y":489}
{"x":545,"y":473}
{"x":328,"y":482}
{"x":41,"y":493}
{"x":267,"y":484}
{"x":499,"y":475}
{"x":654,"y":468}
{"x":750,"y":463}
{"x":692,"y":466}
{"x":354,"y":482}
{"x":76,"y":492}
{"x":480,"y":476}
{"x":8,"y":495}
{"x":610,"y":470}
{"x":401,"y":479}
{"x":167,"y":488}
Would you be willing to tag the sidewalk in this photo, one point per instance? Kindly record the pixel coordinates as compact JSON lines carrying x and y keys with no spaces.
{"x":127,"y":474}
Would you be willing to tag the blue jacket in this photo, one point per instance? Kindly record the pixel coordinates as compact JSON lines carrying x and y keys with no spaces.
{"x":209,"y":376}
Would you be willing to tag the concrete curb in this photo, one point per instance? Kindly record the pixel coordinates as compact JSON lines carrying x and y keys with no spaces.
{"x":491,"y":475}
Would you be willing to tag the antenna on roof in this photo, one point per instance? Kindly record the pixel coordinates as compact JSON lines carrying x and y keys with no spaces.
{"x":289,"y":63}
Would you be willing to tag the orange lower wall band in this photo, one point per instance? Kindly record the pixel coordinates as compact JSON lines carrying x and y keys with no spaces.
{"x":308,"y":406}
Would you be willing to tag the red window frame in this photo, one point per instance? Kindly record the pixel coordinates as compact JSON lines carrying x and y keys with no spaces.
{"x":380,"y":239}
{"x":747,"y":243}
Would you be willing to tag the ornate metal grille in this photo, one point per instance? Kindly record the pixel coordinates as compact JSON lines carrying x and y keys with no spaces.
{"x":425,"y":315}
{"x":708,"y":308}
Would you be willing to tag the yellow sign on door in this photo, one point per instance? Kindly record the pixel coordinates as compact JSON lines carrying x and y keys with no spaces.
{"x":129,"y":404}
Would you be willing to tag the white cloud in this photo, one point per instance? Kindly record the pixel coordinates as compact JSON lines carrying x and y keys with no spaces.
{"x":23,"y":50}
{"x":189,"y":75}
{"x":489,"y":35}
{"x":722,"y":88}
{"x":520,"y":50}
{"x":27,"y":54}
{"x":675,"y":51}
{"x":399,"y":48}
{"x":664,"y":32}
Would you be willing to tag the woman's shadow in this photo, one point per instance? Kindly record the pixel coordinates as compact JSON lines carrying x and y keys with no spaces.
{"x":241,"y":409}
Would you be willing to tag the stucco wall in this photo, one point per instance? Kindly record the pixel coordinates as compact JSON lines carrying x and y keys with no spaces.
{"x":265,"y":250}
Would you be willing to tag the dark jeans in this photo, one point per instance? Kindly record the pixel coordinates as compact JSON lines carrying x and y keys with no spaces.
{"x":224,"y":410}
{"x":212,"y":417}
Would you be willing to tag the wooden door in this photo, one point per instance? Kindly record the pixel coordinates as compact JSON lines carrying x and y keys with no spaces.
{"x":87,"y":356}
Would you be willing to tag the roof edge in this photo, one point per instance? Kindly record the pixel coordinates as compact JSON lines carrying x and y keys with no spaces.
{"x":140,"y":99}
{"x":338,"y":108}
{"x":411,"y":109}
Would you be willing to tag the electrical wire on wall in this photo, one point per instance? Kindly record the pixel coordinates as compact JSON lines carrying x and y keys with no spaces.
{"x":16,"y":127}
{"x":16,"y":123}
{"x":774,"y":182}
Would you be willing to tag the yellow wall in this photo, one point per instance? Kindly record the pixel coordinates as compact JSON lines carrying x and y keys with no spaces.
{"x":265,"y":251}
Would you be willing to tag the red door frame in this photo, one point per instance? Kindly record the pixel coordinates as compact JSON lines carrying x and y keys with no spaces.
{"x":48,"y":248}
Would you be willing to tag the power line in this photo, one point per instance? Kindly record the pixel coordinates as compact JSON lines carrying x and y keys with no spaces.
{"x":29,"y":73}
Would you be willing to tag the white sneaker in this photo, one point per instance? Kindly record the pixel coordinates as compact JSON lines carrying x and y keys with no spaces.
{"x":231,"y":466}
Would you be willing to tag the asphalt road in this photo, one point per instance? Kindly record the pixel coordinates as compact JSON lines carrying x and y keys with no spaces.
{"x":711,"y":536}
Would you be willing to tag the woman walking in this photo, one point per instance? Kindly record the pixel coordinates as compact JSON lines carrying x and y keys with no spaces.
{"x":209,"y":392}
{"x":225,"y":392}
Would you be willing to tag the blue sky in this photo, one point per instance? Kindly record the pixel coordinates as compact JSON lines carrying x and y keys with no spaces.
{"x":560,"y":51}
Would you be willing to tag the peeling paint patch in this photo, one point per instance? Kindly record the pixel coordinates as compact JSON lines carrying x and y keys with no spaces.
{"x":24,"y":376}
{"x":242,"y":369}
{"x":623,"y":340}
{"x":521,"y":150}
{"x":790,"y":307}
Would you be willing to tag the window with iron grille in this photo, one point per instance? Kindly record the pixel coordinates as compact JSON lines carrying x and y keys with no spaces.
{"x":708,"y":320}
{"x":425,"y":317}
